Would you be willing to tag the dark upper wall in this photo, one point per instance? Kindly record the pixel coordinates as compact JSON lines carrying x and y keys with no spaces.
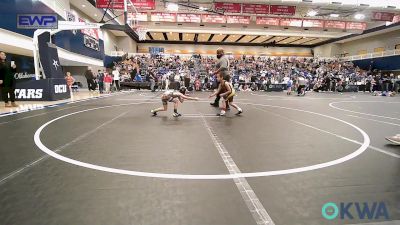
{"x":383,"y":63}
{"x":74,"y":43}
{"x":10,"y":8}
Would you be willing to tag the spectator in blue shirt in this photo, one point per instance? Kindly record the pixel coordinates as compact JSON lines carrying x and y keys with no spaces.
{"x":138,"y":78}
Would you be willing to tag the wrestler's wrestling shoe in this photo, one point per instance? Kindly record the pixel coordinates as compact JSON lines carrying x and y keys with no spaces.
{"x":176,"y":115}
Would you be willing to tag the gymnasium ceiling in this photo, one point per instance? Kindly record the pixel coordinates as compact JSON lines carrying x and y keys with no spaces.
{"x":253,"y":34}
{"x":240,"y":39}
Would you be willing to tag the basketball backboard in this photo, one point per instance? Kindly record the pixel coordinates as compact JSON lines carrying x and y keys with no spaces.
{"x":127,"y":10}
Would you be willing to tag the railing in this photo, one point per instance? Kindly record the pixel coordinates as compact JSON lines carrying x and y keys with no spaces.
{"x":188,"y":55}
{"x":372,"y":55}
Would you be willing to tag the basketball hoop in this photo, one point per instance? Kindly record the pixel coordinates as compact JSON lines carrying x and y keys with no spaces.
{"x":133,"y":18}
{"x":141,"y":32}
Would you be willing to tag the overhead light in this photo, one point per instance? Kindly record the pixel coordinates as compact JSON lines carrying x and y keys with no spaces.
{"x":83,"y":6}
{"x":312,"y":13}
{"x":172,"y":7}
{"x":359,"y":16}
{"x":95,"y":14}
{"x":201,"y":8}
{"x":334,"y":15}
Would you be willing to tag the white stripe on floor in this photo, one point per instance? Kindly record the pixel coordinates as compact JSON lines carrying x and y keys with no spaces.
{"x":257,"y":210}
{"x":31,"y":164}
{"x":367,"y":114}
{"x":40,"y":114}
{"x":339,"y":136}
{"x":300,"y":97}
{"x":136,"y":99}
{"x":213,"y":116}
{"x":53,"y":106}
{"x":198,"y":115}
{"x":379,"y":121}
{"x":384,"y":151}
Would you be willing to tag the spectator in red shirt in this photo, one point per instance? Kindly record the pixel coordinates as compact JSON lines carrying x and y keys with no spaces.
{"x":107,"y":82}
{"x":70,"y":81}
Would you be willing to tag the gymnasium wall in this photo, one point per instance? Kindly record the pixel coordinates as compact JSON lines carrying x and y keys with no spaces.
{"x":110,"y":42}
{"x":381,"y":42}
{"x":235,"y":50}
{"x":127,"y":44}
{"x":376,"y":43}
{"x":328,"y":50}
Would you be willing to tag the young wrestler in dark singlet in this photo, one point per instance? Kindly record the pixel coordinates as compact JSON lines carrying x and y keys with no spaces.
{"x":226,"y":91}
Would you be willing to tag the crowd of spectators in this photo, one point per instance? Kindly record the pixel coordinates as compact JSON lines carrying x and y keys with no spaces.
{"x":251,"y":73}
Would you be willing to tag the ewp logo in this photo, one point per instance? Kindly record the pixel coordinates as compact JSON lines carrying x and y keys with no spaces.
{"x":376,"y":211}
{"x":37,"y":21}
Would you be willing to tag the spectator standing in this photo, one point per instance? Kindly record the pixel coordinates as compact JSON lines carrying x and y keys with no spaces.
{"x":7,"y":80}
{"x":177,"y":79}
{"x":302,"y":85}
{"x":107,"y":82}
{"x":90,"y":79}
{"x":138,"y":78}
{"x":206,"y":85}
{"x":135,"y":70}
{"x":116,"y":78}
{"x":152,"y":77}
{"x":165,"y":81}
{"x":70,"y":81}
{"x":197,"y":84}
{"x":289,"y":86}
{"x":100,"y":81}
